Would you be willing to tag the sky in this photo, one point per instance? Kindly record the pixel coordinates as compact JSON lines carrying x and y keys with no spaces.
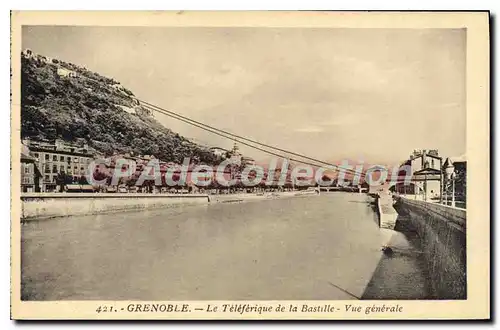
{"x":368,"y":95}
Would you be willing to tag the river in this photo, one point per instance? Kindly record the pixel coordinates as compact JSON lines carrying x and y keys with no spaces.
{"x":310,"y":247}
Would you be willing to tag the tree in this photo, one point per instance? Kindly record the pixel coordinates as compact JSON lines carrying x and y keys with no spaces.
{"x":62,"y":179}
{"x":76,"y":107}
{"x":461,"y":181}
{"x":132,"y":180}
{"x":82,"y":180}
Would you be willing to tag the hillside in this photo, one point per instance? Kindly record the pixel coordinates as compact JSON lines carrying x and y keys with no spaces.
{"x":63,"y":100}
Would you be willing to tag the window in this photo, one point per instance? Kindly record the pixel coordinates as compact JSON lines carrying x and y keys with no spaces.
{"x":47,"y":169}
{"x":82,"y":160}
{"x":75,"y":159}
{"x":61,"y":158}
{"x":61,"y":168}
{"x":47,"y":178}
{"x":54,"y":169}
{"x":432,"y":163}
{"x":82,"y":169}
{"x":54,"y":158}
{"x":47,"y":156}
{"x":27,"y":170}
{"x":35,"y":155}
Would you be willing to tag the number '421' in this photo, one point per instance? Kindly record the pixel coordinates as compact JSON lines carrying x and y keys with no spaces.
{"x":105,"y":309}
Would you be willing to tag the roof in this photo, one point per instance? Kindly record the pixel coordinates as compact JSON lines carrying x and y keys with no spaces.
{"x":428,"y":171}
{"x":456,"y":159}
{"x":218,"y":148}
{"x":426,"y":155}
{"x":27,"y":158}
{"x":433,"y":156}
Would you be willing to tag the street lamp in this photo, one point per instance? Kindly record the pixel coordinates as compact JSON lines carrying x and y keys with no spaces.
{"x":450,"y":174}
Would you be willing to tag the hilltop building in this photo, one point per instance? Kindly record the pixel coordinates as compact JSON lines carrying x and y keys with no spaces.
{"x":28,"y":53}
{"x":220,"y":152}
{"x":62,"y":72}
{"x":235,"y":152}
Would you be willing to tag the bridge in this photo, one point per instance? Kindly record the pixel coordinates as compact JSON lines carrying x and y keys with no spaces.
{"x":346,"y":189}
{"x":190,"y":252}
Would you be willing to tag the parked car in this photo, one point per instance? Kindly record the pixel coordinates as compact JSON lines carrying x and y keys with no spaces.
{"x":122,"y":190}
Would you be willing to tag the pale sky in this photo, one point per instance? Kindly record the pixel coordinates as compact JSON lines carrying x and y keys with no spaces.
{"x":362,"y":94}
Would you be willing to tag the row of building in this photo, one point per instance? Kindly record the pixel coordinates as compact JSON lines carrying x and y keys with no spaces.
{"x":433,"y":177}
{"x":42,"y":162}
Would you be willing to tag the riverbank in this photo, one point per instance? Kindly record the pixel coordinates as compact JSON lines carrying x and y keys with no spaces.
{"x":51,"y":205}
{"x":37,"y":206}
{"x":430,"y":239}
{"x":235,"y":198}
{"x":442,"y":230}
{"x":386,"y":211}
{"x":412,"y":278}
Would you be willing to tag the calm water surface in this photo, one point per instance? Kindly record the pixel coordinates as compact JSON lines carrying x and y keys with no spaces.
{"x":291,"y":248}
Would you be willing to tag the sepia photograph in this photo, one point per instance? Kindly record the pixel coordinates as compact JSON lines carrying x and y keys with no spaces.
{"x":172,"y":165}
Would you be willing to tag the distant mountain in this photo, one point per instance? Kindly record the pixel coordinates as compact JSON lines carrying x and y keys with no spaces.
{"x":66,"y":101}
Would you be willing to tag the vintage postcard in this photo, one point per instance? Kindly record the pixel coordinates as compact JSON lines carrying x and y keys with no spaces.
{"x":250,"y":165}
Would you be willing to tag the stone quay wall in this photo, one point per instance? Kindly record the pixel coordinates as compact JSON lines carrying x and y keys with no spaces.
{"x":50,"y":205}
{"x":442,"y":230}
{"x":386,"y":212}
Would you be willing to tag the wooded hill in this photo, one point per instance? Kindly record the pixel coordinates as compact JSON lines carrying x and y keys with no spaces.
{"x":66,"y":101}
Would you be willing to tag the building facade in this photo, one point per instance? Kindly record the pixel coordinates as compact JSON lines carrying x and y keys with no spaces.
{"x":219,"y":152}
{"x":426,"y":175}
{"x":30,"y":175}
{"x":456,"y":185}
{"x":55,"y":157}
